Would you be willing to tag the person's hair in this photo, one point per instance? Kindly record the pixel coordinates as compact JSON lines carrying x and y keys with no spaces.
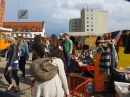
{"x":55,"y":41}
{"x":20,"y":40}
{"x":37,"y":39}
{"x":58,"y":54}
{"x":11,"y":39}
{"x":44,"y":40}
{"x":65,"y":34}
{"x":61,"y":40}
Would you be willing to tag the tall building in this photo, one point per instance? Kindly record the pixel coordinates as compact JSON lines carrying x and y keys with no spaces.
{"x":91,"y":20}
{"x":26,"y":29}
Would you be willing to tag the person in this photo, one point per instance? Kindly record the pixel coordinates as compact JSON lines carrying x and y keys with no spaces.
{"x":57,"y":86}
{"x":37,"y":48}
{"x":46,"y":45}
{"x":12,"y":65}
{"x":61,"y":44}
{"x":24,"y":55}
{"x":55,"y":43}
{"x":68,"y":51}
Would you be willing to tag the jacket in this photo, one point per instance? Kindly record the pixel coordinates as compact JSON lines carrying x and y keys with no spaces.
{"x":25,"y":51}
{"x":13,"y":54}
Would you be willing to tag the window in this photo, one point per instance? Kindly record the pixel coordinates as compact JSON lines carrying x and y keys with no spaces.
{"x":87,"y":18}
{"x":26,"y":35}
{"x":24,"y":30}
{"x":75,"y":29}
{"x":87,"y":14}
{"x":91,"y":14}
{"x":91,"y":22}
{"x":29,"y":30}
{"x":72,"y":26}
{"x":75,"y":19}
{"x":91,"y":10}
{"x":87,"y":21}
{"x":75,"y":22}
{"x":91,"y":18}
{"x":87,"y":10}
{"x":87,"y":25}
{"x":87,"y":29}
{"x":91,"y":29}
{"x":30,"y":35}
{"x":75,"y":26}
{"x":72,"y":22}
{"x":38,"y":30}
{"x":91,"y":25}
{"x":14,"y":30}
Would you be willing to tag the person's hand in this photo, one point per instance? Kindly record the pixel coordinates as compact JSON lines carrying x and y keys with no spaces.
{"x":9,"y":68}
{"x":67,"y":95}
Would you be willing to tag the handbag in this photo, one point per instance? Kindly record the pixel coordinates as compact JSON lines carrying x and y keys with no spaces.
{"x":43,"y":70}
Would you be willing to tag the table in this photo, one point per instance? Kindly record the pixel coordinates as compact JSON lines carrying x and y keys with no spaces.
{"x":115,"y":76}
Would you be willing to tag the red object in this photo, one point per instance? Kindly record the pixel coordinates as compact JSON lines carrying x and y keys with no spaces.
{"x":77,"y":85}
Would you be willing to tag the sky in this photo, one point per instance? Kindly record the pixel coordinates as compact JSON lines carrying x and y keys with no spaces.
{"x":57,"y":13}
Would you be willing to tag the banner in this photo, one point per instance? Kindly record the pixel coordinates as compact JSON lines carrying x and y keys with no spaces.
{"x":2,"y":10}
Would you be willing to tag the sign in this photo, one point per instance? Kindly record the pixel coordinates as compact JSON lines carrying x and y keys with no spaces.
{"x":23,"y":14}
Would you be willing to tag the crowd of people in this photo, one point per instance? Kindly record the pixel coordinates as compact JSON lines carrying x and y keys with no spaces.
{"x":18,"y":54}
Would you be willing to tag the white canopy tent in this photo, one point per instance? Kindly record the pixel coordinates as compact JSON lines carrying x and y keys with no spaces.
{"x":82,"y":34}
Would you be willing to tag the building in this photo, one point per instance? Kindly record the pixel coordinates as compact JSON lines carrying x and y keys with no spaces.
{"x":91,"y":20}
{"x":26,"y":29}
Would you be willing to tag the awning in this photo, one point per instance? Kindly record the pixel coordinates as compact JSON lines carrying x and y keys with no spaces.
{"x":82,"y":34}
{"x":5,"y":29}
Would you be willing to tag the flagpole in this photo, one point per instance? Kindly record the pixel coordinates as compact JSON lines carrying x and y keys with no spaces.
{"x":18,"y":18}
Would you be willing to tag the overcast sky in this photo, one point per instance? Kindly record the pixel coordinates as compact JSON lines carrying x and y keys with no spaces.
{"x":56,"y":13}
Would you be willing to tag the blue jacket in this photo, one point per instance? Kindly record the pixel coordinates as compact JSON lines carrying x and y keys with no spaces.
{"x":25,"y":51}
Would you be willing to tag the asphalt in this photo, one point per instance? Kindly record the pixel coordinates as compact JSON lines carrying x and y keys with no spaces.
{"x":25,"y":88}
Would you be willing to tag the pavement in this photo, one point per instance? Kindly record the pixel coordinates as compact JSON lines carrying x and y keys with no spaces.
{"x":25,"y":88}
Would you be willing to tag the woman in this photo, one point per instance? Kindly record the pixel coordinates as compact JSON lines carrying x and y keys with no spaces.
{"x":61,"y":44}
{"x":24,"y":55}
{"x":46,"y":46}
{"x":55,"y":43}
{"x":12,"y":65}
{"x":57,"y":86}
{"x":37,"y":48}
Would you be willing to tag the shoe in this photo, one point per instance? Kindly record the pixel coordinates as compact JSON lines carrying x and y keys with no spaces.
{"x":23,"y":78}
{"x":16,"y":91}
{"x":10,"y":89}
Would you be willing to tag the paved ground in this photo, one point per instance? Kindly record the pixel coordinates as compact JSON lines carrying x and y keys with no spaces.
{"x":25,"y":90}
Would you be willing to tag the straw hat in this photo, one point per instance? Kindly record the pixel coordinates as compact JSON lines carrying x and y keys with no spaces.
{"x":11,"y":39}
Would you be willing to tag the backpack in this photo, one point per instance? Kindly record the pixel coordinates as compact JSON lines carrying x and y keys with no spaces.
{"x":43,"y":70}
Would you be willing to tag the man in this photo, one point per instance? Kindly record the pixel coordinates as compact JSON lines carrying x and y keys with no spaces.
{"x":68,"y":51}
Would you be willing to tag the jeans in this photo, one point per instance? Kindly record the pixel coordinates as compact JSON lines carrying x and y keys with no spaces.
{"x":68,"y":58}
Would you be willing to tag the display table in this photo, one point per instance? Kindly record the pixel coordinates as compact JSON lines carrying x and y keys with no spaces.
{"x":122,"y":89}
{"x":115,"y":76}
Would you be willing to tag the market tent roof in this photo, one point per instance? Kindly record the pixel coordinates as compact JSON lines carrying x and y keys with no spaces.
{"x":82,"y":34}
{"x":5,"y":29}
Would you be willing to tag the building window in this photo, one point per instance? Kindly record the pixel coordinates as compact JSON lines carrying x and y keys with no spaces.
{"x":91,"y":22}
{"x":91,"y":25}
{"x":87,"y":10}
{"x":75,"y":29}
{"x":91,"y":10}
{"x":75,"y":26}
{"x":26,"y":35}
{"x":75,"y":22}
{"x":30,"y":35}
{"x":87,"y":25}
{"x":38,"y":30}
{"x":91,"y":29}
{"x":24,"y":30}
{"x":14,"y":30}
{"x":91,"y":14}
{"x":75,"y":19}
{"x":91,"y":18}
{"x":72,"y":26}
{"x":87,"y":21}
{"x":87,"y":18}
{"x":72,"y":22}
{"x":87,"y":29}
{"x":29,"y":30}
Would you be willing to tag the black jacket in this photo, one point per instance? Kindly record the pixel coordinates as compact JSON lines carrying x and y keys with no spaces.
{"x":127,"y":45}
{"x":13,"y":54}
